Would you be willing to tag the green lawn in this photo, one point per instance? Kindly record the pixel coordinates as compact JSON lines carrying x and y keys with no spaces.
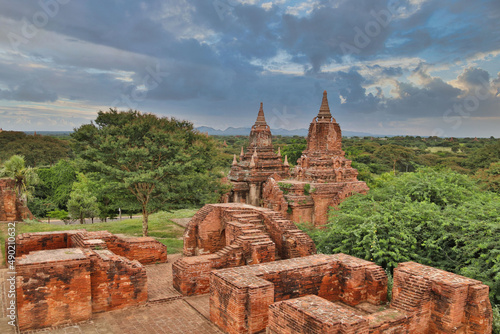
{"x":160,"y":227}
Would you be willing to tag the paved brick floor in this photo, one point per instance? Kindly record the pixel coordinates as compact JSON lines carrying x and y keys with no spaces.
{"x":168,"y":311}
{"x":160,"y":280}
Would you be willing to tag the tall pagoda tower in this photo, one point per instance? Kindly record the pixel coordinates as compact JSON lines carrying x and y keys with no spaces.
{"x":323,"y":160}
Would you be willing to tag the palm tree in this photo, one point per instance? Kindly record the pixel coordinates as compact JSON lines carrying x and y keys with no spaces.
{"x":26,"y":177}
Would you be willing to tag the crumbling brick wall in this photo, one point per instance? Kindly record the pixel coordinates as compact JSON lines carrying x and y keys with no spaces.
{"x":441,"y":302}
{"x":240,"y":297}
{"x":11,"y":208}
{"x":231,"y":235}
{"x":342,"y":294}
{"x":30,"y":242}
{"x":116,"y":282}
{"x":206,"y":232}
{"x":144,"y":249}
{"x":312,"y":314}
{"x":55,"y":287}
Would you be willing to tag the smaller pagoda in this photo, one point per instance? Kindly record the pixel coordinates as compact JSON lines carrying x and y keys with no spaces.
{"x":256,"y":165}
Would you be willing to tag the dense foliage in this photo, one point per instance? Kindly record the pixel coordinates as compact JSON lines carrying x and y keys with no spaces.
{"x":37,"y":150}
{"x":438,"y":218}
{"x":53,"y":191}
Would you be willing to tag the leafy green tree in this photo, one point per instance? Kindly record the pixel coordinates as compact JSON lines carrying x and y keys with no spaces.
{"x":55,"y":186}
{"x":489,"y":179}
{"x":82,"y":204}
{"x":25,"y":177}
{"x":435,"y":217}
{"x":485,"y":156}
{"x":294,"y":150}
{"x":394,"y":154}
{"x":155,"y":163}
{"x":59,"y":214}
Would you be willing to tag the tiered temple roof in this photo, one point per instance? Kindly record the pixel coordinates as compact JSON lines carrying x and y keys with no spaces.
{"x":323,"y":160}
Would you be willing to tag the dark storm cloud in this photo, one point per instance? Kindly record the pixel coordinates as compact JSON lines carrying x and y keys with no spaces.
{"x":219,"y":56}
{"x":28,"y":91}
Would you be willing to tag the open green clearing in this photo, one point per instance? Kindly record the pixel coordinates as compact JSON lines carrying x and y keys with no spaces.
{"x":161,"y":227}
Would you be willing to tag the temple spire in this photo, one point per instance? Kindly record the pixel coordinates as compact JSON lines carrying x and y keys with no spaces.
{"x":235,"y":162}
{"x":324,"y":110}
{"x":261,"y":120}
{"x":286,"y":161}
{"x":252,"y":162}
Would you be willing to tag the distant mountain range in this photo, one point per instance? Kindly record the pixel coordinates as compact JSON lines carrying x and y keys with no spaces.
{"x":276,"y":132}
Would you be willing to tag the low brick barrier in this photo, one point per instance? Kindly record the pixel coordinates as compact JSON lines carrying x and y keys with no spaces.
{"x":240,"y":297}
{"x":63,"y":286}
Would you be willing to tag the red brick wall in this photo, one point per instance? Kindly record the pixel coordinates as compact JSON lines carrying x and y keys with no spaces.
{"x":249,"y":234}
{"x":30,"y":242}
{"x":191,"y":274}
{"x":116,"y":282}
{"x":144,"y":249}
{"x":204,"y":233}
{"x":247,"y":289}
{"x":312,"y":314}
{"x":8,"y":210}
{"x":53,"y":288}
{"x":439,"y":301}
{"x":62,"y":286}
{"x":342,"y":294}
{"x":11,"y":208}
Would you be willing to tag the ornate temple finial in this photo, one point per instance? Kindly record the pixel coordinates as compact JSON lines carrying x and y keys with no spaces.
{"x":286,"y":161}
{"x":252,"y":163}
{"x":324,"y":110}
{"x":235,"y":162}
{"x":279,"y":151}
{"x":261,"y":120}
{"x":254,"y":152}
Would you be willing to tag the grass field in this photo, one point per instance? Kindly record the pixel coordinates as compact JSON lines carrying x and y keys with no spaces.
{"x":438,"y":149}
{"x":161,"y":227}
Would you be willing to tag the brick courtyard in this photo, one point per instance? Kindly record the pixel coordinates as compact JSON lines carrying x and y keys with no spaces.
{"x":166,"y":312}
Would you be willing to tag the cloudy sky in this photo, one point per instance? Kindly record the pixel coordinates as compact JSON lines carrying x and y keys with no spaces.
{"x":416,"y":67}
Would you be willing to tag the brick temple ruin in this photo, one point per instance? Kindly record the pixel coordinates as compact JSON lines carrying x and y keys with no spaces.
{"x":322,"y":178}
{"x":232,"y":235}
{"x":11,"y":207}
{"x":346,"y":295}
{"x":64,"y":277}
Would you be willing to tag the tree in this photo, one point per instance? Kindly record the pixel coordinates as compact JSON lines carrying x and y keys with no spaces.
{"x":489,"y":179}
{"x":82,"y":204}
{"x":154,"y":163}
{"x":394,"y":154}
{"x":25,"y":177}
{"x":57,"y":183}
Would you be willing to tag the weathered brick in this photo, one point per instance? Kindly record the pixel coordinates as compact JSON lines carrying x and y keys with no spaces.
{"x":231,"y":235}
{"x":53,"y":288}
{"x":333,"y":277}
{"x":11,"y":207}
